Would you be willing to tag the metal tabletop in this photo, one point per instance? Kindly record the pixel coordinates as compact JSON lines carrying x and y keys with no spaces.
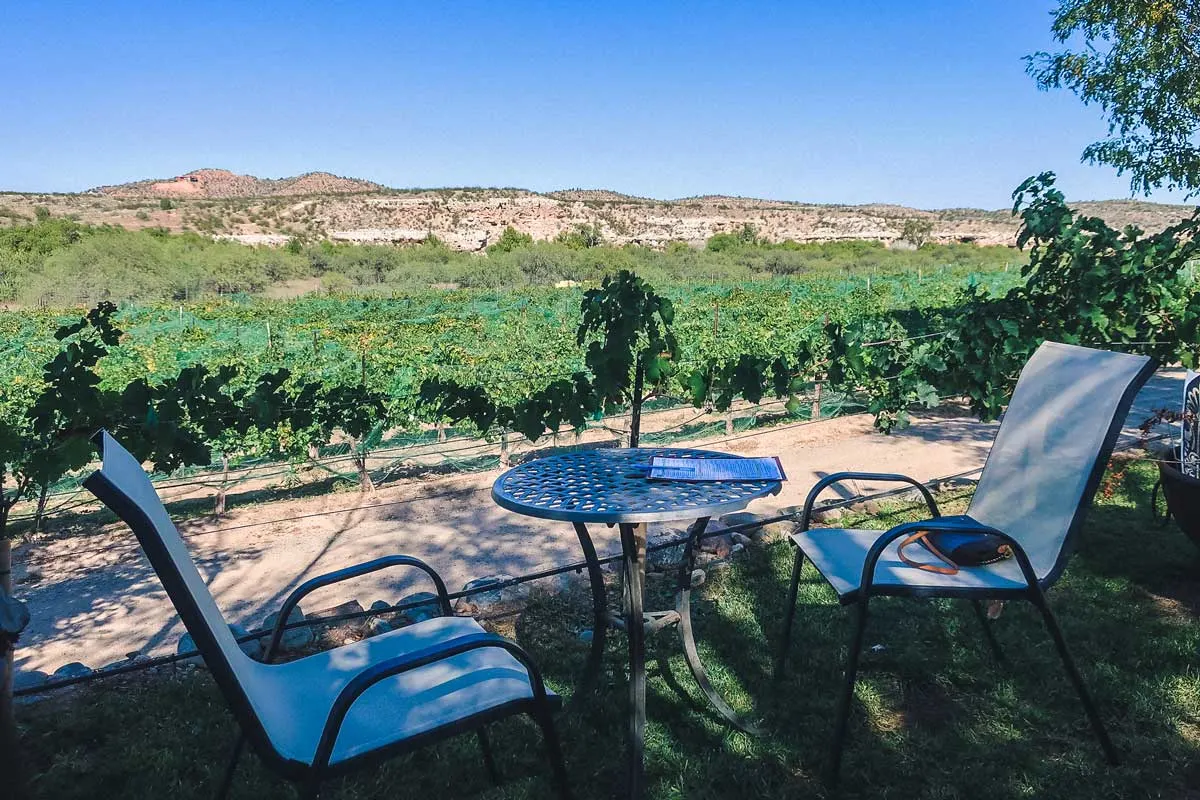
{"x":610,"y":486}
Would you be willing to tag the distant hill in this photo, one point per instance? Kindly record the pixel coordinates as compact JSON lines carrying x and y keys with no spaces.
{"x":221,"y":183}
{"x":1140,"y":213}
{"x":318,"y":205}
{"x":597,"y":196}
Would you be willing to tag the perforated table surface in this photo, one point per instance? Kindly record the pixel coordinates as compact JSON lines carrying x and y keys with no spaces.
{"x":610,"y":486}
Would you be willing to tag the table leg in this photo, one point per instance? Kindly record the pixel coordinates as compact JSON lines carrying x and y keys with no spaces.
{"x":599,"y":615}
{"x":683,"y":605}
{"x":633,"y":545}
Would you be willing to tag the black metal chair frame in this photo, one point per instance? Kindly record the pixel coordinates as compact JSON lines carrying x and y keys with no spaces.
{"x":1034,"y":590}
{"x":539,"y":707}
{"x":543,"y":704}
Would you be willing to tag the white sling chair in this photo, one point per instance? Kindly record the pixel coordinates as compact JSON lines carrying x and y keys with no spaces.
{"x":1040,"y":476}
{"x":332,"y":712}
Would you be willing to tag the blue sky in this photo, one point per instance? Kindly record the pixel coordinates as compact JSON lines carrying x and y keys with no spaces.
{"x":917,"y":102}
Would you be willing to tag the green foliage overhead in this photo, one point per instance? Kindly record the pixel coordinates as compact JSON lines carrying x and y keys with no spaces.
{"x":1139,"y":60}
{"x":1085,"y":283}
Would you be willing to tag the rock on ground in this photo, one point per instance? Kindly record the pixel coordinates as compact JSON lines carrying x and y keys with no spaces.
{"x":294,"y":639}
{"x":251,"y":648}
{"x":73,"y":670}
{"x":498,"y":601}
{"x":428,"y":608}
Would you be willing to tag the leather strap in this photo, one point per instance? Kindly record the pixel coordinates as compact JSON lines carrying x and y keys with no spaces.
{"x":950,"y":569}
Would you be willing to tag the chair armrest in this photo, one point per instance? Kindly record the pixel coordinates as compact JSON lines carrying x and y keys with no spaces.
{"x":410,"y":661}
{"x":950,"y":525}
{"x":345,"y":574}
{"x":838,"y":477}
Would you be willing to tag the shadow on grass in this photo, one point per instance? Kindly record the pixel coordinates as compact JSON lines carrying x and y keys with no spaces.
{"x":934,"y":715}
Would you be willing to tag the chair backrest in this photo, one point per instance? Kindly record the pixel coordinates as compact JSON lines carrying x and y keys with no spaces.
{"x":1053,"y":445}
{"x":123,"y":486}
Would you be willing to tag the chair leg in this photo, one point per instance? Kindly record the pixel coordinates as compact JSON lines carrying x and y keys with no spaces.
{"x":558,"y":767}
{"x":230,"y":769}
{"x":843,"y":713}
{"x":789,"y":615}
{"x":489,"y":762}
{"x":988,"y":633}
{"x":1110,"y":752}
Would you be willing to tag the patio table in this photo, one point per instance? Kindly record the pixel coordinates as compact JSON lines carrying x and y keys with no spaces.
{"x":609,"y":486}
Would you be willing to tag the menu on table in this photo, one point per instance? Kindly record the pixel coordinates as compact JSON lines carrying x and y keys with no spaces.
{"x":766,"y":468}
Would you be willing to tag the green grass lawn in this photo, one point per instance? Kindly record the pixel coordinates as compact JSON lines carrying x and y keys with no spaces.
{"x":934,"y":717}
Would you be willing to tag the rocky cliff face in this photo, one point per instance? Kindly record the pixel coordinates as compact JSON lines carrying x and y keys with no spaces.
{"x":471,"y":219}
{"x":467,"y":219}
{"x":319,"y":205}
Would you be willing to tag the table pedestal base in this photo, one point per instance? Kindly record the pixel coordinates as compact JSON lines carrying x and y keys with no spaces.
{"x":633,"y":546}
{"x":637,"y":624}
{"x":683,"y":609}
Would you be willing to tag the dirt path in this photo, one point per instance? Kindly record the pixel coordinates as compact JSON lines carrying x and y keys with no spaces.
{"x":94,"y":598}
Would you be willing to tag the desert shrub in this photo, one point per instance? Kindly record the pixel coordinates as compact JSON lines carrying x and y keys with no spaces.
{"x":102,"y":267}
{"x":511,"y":239}
{"x":37,"y":262}
{"x":581,"y":237}
{"x":916,"y":231}
{"x":364,"y":265}
{"x":539,"y":266}
{"x":336,"y":283}
{"x":747,"y":236}
{"x":42,"y":238}
{"x":480,"y":273}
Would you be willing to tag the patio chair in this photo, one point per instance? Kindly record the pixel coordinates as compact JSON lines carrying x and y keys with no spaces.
{"x":330,"y":713}
{"x":1039,"y":478}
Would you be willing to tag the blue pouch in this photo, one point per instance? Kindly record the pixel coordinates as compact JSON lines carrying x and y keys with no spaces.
{"x":956,"y":550}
